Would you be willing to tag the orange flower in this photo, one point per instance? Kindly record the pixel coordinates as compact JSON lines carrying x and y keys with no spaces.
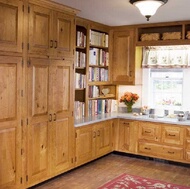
{"x":129,"y":98}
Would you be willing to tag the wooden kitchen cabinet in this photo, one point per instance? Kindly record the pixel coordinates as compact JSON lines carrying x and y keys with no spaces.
{"x":93,"y":141}
{"x":126,"y":66}
{"x":10,"y":122}
{"x":187,"y":144}
{"x":11,"y":22}
{"x":50,"y":32}
{"x":161,"y":140}
{"x":84,"y":144}
{"x":127,"y":136}
{"x":50,"y":122}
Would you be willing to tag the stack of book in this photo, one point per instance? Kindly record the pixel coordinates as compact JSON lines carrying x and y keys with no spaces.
{"x":80,"y":81}
{"x":100,"y":106}
{"x":93,"y":91}
{"x":81,"y":39}
{"x":80,"y":59}
{"x":79,"y":109}
{"x":98,"y":74}
{"x":98,"y":57}
{"x":98,"y":38}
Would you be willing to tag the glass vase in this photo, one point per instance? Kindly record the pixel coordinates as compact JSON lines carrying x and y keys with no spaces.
{"x":129,"y":108}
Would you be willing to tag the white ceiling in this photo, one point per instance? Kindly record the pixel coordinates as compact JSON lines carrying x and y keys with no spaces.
{"x":121,"y":12}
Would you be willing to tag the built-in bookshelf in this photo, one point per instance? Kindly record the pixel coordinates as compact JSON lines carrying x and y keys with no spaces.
{"x":80,"y":71}
{"x":94,"y":92}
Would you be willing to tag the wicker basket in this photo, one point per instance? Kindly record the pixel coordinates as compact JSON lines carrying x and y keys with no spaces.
{"x":171,"y":35}
{"x":150,"y":37}
{"x":188,"y":35}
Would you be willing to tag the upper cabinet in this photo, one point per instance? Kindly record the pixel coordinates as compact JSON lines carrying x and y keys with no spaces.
{"x":172,"y":33}
{"x":11,"y":22}
{"x":126,"y":62}
{"x":50,"y":32}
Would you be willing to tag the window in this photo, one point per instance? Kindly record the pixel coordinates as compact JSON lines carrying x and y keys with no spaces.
{"x":166,"y":88}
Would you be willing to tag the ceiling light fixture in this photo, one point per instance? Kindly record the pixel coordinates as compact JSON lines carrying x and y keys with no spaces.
{"x":148,"y":7}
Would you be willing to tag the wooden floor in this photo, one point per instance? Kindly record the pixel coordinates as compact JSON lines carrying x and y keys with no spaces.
{"x":98,"y":172}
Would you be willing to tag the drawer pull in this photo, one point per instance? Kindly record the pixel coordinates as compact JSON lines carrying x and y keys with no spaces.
{"x":173,"y":135}
{"x":147,"y":131}
{"x":147,"y":148}
{"x":170,"y":152}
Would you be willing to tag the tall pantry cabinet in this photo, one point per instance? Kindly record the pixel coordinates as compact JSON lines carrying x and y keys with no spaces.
{"x":36,"y":91}
{"x":11,"y":19}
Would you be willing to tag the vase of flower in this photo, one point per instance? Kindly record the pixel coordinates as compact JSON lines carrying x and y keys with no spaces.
{"x":129,"y":108}
{"x":129,"y":99}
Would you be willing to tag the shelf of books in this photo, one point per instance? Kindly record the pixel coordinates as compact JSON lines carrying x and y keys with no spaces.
{"x":94,"y":92}
{"x":80,"y":72}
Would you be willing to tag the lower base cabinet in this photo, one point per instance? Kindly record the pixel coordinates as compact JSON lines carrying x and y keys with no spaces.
{"x":93,"y":141}
{"x":127,"y":136}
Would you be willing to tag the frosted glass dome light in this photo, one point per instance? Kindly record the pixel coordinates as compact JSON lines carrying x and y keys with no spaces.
{"x":148,"y":7}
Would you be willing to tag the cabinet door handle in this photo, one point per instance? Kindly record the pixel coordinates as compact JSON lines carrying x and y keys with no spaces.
{"x":50,"y":117}
{"x":55,"y":45}
{"x":147,"y":148}
{"x":94,"y":136}
{"x":51,"y":43}
{"x":125,"y":123}
{"x":55,"y":117}
{"x":98,"y":133}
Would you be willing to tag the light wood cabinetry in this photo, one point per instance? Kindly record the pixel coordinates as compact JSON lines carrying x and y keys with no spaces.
{"x":126,"y":65}
{"x":11,"y":30}
{"x":127,"y":136}
{"x":50,"y":121}
{"x":187,"y":144}
{"x":50,"y":32}
{"x":93,"y":141}
{"x":161,"y":140}
{"x":10,"y":122}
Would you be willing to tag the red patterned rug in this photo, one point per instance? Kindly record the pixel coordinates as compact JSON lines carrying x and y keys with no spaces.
{"x":135,"y":182}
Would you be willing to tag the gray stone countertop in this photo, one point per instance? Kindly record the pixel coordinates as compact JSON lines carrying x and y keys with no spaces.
{"x":108,"y":116}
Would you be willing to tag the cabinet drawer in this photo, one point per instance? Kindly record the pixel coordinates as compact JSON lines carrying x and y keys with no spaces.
{"x":149,"y":149}
{"x":149,"y":131}
{"x":172,"y":152}
{"x":160,"y":151}
{"x":173,"y":135}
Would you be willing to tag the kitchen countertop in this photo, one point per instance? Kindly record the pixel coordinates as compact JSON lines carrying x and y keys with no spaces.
{"x":108,"y":116}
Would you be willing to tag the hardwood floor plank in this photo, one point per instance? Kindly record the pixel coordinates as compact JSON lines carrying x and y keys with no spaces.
{"x":98,"y":172}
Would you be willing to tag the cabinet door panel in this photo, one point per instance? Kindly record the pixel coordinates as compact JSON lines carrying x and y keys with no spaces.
{"x":123,"y":57}
{"x":10,"y":129}
{"x":62,"y":101}
{"x":64,"y":32}
{"x":40,"y":30}
{"x":11,"y":22}
{"x":38,"y":129}
{"x":84,"y":145}
{"x":103,"y":138}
